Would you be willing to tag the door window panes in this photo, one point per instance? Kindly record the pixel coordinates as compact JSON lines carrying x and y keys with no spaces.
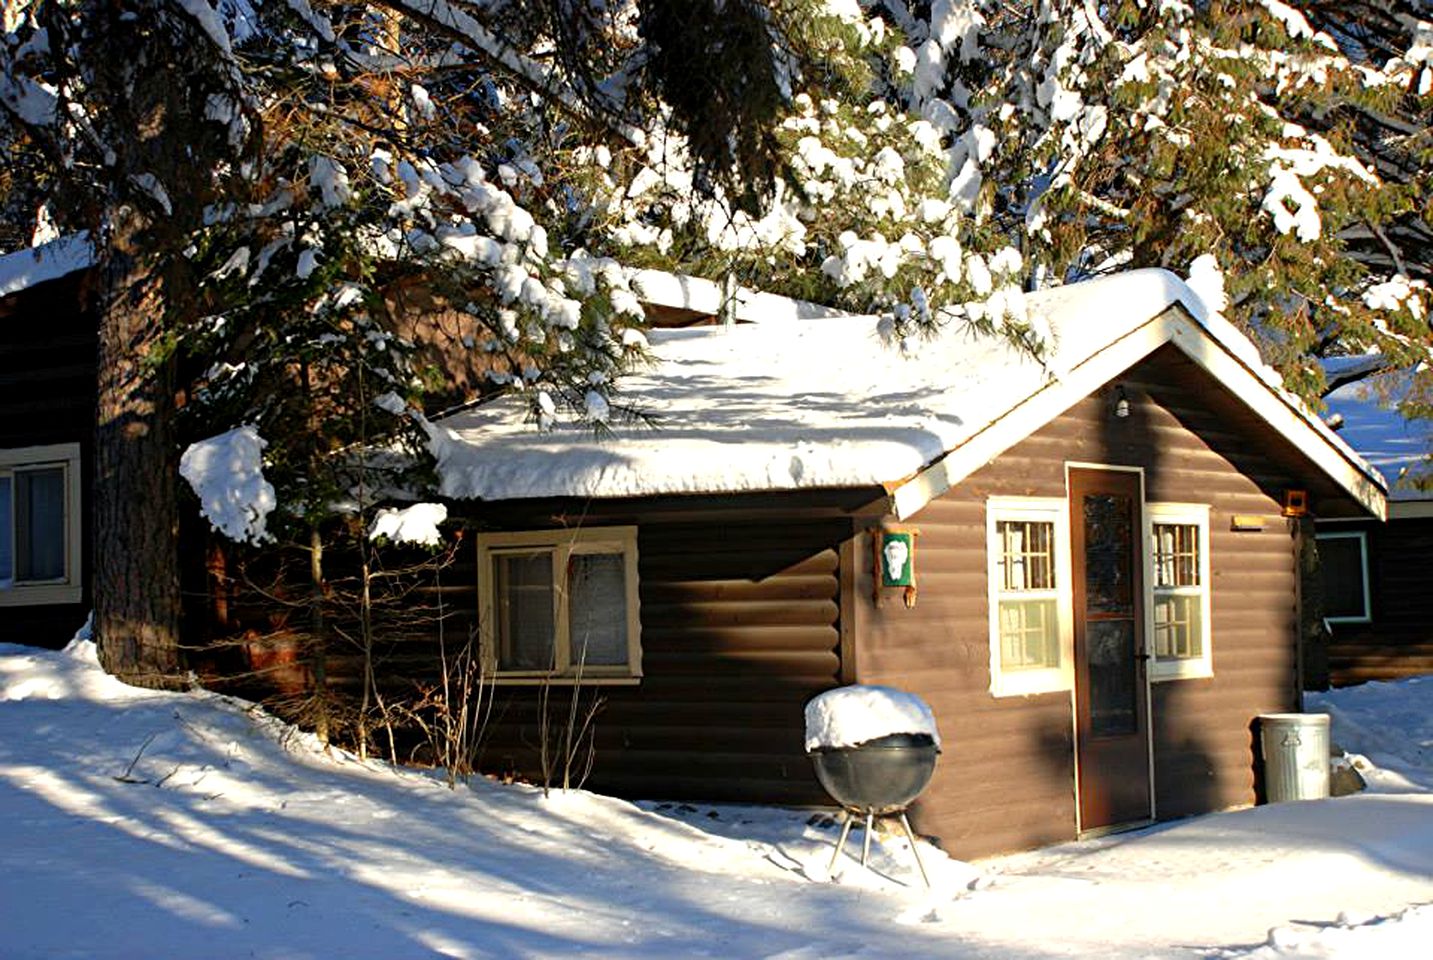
{"x":1113,"y":678}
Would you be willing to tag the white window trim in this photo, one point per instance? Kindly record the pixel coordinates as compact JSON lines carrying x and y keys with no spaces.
{"x":1055,"y":510}
{"x":1193,"y":514}
{"x":1362,"y":537}
{"x":563,"y":544}
{"x":69,"y":589}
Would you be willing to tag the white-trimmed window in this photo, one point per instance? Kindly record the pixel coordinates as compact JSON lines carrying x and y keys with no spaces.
{"x":1179,"y":590}
{"x":560,"y":605}
{"x":40,"y":525}
{"x":1030,"y":600}
{"x":1343,"y":560}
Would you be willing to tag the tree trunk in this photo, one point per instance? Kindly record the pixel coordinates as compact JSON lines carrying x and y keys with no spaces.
{"x":136,"y":577}
{"x":318,"y":643}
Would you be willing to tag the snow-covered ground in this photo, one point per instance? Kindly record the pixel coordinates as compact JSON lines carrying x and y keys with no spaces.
{"x":143,"y":824}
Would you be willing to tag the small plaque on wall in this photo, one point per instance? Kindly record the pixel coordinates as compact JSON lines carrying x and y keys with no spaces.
{"x":898,"y":551}
{"x":895,"y":549}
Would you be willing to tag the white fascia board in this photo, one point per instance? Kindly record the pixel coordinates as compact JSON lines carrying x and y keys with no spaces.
{"x":663,"y":289}
{"x":1175,"y":326}
{"x":1409,"y":509}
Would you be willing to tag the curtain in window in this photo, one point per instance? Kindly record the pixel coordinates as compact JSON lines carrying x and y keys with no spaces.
{"x":597,"y":609}
{"x":7,"y":537}
{"x":40,"y":524}
{"x":525,"y":612}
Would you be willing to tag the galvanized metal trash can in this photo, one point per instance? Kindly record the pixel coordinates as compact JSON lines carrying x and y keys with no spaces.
{"x":1296,"y":755}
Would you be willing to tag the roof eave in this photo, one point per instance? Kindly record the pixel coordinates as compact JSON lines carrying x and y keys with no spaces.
{"x":1173,"y":325}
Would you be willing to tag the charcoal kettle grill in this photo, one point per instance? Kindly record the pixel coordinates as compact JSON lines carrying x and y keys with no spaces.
{"x":878,"y":778}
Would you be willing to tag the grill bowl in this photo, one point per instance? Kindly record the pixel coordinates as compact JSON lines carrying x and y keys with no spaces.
{"x":879,"y":776}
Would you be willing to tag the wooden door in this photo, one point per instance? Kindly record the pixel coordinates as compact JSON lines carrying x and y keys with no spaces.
{"x":1111,"y":689}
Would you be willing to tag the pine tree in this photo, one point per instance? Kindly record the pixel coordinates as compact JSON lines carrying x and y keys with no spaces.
{"x":246,"y":166}
{"x":1282,"y":160}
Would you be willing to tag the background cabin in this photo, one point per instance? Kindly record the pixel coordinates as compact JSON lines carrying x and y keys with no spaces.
{"x":48,"y":345}
{"x":1376,"y":599}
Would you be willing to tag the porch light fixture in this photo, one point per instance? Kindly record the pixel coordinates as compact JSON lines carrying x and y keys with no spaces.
{"x":1121,"y":403}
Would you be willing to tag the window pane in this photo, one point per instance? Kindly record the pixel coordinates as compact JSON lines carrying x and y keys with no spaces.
{"x":1027,"y":556}
{"x":597,"y":608}
{"x":1113,"y":678}
{"x":1178,"y":630}
{"x":1341,"y":559}
{"x":1029,"y":635}
{"x":7,"y":540}
{"x":524,"y":614}
{"x":1176,"y":555}
{"x":1109,"y":554}
{"x":40,"y":524}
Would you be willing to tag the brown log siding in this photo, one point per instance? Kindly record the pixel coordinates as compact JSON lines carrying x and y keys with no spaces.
{"x":1006,"y":780}
{"x":740,"y":627}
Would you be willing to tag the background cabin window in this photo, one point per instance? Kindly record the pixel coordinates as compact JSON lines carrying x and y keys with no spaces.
{"x":39,"y":525}
{"x":560,"y":604}
{"x":1029,"y":595}
{"x":1179,"y":589}
{"x":1343,"y":561}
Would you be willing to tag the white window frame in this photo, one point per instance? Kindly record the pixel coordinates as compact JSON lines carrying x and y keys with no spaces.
{"x":1056,"y":511}
{"x":1184,"y":514}
{"x":562,"y":544}
{"x":1362,"y":537}
{"x":70,"y":587}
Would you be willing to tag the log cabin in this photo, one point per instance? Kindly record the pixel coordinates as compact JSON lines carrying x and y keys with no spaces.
{"x":1086,"y":563}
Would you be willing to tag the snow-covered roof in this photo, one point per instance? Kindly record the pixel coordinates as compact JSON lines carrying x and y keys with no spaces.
{"x":26,"y":268}
{"x":1383,"y":437}
{"x":795,"y":404}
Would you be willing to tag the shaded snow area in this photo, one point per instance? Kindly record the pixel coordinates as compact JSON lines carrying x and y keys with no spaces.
{"x":1381,"y":435}
{"x":49,"y":261}
{"x":144,"y":824}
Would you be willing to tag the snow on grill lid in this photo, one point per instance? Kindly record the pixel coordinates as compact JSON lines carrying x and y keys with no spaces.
{"x":856,"y":714}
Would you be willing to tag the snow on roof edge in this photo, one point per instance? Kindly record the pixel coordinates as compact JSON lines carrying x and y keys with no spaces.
{"x":61,"y":257}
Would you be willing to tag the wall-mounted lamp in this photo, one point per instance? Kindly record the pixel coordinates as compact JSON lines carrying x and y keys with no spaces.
{"x":1121,"y":403}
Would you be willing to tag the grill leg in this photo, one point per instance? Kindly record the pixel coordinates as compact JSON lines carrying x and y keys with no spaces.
{"x":910,"y":834}
{"x":845,"y":831}
{"x":866,"y":843}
